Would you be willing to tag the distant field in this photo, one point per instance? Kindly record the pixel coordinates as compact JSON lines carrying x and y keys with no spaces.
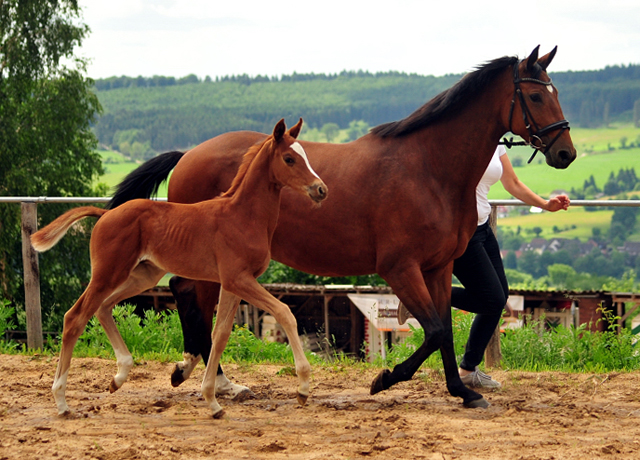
{"x":564,"y":220}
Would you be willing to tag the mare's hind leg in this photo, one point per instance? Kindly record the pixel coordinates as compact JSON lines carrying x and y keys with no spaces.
{"x":219,"y":338}
{"x":428,"y":309}
{"x":196,"y":302}
{"x":143,"y":277}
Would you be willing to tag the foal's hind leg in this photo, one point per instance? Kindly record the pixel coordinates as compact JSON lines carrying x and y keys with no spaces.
{"x":75,"y":320}
{"x":144,"y":276}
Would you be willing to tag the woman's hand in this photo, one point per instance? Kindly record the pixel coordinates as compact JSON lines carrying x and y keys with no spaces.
{"x":557,"y":203}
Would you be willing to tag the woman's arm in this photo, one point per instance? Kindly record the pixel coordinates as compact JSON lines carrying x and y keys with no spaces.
{"x":515,"y":187}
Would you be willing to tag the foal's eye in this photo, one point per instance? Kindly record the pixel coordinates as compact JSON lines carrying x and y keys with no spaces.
{"x":289,"y":160}
{"x":535,"y":97}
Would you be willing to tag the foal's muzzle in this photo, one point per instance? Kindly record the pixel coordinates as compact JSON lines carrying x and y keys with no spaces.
{"x":318,"y":191}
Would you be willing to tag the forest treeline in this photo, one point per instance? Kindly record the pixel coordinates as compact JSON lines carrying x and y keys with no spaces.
{"x":155,"y":114}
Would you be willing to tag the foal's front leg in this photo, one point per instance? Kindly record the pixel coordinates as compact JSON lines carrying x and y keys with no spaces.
{"x":219,"y":337}
{"x":254,"y":293}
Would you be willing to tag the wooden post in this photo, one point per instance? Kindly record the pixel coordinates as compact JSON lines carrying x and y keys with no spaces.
{"x":493,"y":354}
{"x":327,"y":299}
{"x":31,"y":276}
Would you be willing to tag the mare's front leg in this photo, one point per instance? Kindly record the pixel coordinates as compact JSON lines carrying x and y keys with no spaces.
{"x":409,"y":285}
{"x":219,"y":338}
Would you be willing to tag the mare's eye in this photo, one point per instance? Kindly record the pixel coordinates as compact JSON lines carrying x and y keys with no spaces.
{"x":289,"y":160}
{"x":535,"y":97}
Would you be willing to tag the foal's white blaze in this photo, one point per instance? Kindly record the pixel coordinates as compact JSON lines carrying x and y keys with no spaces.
{"x":296,"y":147}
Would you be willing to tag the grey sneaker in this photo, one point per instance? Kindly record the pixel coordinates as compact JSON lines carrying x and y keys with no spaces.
{"x":478,"y":379}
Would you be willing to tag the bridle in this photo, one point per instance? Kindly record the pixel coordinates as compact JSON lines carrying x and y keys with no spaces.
{"x":535,"y":132}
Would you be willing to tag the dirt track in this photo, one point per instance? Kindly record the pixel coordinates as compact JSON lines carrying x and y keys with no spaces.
{"x":535,"y":416}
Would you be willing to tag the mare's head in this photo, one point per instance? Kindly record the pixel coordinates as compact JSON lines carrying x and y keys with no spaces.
{"x":535,"y":113}
{"x":290,"y":165}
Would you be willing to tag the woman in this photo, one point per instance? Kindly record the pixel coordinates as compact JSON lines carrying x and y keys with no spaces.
{"x":480,"y":268}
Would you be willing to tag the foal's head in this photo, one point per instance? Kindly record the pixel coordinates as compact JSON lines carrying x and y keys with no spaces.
{"x":290,"y":165}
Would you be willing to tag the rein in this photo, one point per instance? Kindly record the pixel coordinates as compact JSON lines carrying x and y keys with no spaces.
{"x":535,"y":137}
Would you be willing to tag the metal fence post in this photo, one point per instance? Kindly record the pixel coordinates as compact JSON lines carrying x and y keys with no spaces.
{"x":493,"y":353}
{"x":31,"y":266}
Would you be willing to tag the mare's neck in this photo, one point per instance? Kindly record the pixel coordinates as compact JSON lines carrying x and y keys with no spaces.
{"x":460,"y":146}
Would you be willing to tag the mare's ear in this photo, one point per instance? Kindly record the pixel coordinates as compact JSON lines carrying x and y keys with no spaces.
{"x":295,"y":130}
{"x":545,"y":60}
{"x":532,"y":59}
{"x":278,"y":130}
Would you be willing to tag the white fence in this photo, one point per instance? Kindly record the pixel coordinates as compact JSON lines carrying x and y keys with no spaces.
{"x":30,"y":257}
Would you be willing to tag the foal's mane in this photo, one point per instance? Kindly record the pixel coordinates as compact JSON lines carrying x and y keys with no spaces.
{"x":448,"y":101}
{"x":247,"y":159}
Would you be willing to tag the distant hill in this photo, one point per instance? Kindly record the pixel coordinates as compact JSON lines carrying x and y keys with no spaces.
{"x":159,"y":113}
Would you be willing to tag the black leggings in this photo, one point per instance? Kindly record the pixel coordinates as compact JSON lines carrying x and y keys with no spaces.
{"x":485,"y":291}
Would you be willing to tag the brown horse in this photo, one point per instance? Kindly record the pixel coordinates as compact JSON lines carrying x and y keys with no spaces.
{"x":402,"y":199}
{"x":224,"y":240}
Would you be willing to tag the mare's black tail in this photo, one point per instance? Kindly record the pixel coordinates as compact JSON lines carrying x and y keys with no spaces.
{"x":144,"y":181}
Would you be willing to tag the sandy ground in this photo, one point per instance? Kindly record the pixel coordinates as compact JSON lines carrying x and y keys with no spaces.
{"x":534,"y":416}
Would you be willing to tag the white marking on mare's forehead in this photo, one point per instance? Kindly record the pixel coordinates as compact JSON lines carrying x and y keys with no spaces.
{"x":550,"y":88}
{"x":296,"y":147}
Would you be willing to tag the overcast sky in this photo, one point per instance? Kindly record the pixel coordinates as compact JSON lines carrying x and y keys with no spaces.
{"x":263,"y":37}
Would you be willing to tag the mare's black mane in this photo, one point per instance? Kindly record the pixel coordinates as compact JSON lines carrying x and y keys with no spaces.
{"x":451,"y":99}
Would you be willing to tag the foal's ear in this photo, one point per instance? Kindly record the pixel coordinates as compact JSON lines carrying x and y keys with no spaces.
{"x":278,"y":130}
{"x":532,"y":59}
{"x":545,"y":60}
{"x":295,"y":130}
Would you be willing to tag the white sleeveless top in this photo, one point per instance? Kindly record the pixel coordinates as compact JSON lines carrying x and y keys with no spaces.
{"x":490,"y":177}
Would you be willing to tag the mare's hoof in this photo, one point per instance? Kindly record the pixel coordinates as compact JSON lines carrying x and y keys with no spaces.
{"x":243,"y":395}
{"x":66,"y":414}
{"x":113,"y":387}
{"x":477,"y":403}
{"x":378,"y":384}
{"x":177,"y":377}
{"x":302,"y":399}
{"x":218,"y":415}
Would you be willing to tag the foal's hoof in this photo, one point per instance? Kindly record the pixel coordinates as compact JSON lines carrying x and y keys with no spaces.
{"x":113,"y":387}
{"x":302,"y":399}
{"x":177,"y":377}
{"x":378,"y":383}
{"x":243,"y":395}
{"x":477,"y":403}
{"x":218,"y":415}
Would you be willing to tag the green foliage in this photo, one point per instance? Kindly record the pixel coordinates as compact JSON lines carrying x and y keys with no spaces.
{"x":280,"y":273}
{"x":46,"y":143}
{"x":570,"y":349}
{"x":179,"y":116}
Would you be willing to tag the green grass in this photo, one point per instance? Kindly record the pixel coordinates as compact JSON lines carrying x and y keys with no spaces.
{"x":159,"y":337}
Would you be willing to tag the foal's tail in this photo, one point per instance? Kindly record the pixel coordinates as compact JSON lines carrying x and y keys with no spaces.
{"x":144,"y":181}
{"x":45,"y":239}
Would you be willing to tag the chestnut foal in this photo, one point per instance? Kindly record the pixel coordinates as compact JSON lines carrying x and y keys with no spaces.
{"x":226,"y":240}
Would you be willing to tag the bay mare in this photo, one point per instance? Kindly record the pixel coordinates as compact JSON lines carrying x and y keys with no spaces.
{"x":224,"y":240}
{"x":402,"y":200}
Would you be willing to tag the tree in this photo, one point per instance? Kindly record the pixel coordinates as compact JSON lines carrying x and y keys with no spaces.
{"x":330,"y":130}
{"x":46,"y":144}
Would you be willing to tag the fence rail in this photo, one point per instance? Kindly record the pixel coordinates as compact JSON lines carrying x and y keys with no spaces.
{"x":29,"y":212}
